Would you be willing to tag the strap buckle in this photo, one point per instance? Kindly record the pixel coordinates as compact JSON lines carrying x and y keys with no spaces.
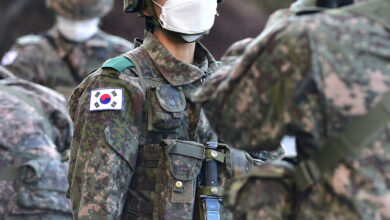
{"x":306,"y":174}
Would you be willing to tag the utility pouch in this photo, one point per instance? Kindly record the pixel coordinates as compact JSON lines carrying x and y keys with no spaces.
{"x":176,"y":180}
{"x":169,"y":114}
{"x":184,"y":161}
{"x":41,"y":186}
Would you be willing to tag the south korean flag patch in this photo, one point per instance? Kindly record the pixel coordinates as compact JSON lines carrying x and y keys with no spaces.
{"x":106,"y":99}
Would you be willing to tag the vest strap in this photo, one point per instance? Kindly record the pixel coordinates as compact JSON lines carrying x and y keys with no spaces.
{"x":348,"y":143}
{"x":211,"y":191}
{"x":187,"y":150}
{"x":215,"y":155}
{"x":30,"y":102}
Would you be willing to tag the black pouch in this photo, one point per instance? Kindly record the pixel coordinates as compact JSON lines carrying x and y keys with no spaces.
{"x":166,"y":105}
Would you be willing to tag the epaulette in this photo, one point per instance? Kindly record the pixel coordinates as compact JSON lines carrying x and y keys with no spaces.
{"x":29,"y":39}
{"x":118,"y":63}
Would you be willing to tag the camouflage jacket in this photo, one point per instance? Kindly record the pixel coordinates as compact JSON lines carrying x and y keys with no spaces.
{"x":115,"y":155}
{"x":34,"y":131}
{"x":309,"y":77}
{"x":50,"y":60}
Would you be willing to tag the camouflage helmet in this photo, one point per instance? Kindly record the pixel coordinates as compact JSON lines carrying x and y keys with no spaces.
{"x":136,"y":5}
{"x":81,"y":9}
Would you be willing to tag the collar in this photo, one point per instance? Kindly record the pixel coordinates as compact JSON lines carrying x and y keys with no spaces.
{"x":64,"y":46}
{"x":176,"y":72}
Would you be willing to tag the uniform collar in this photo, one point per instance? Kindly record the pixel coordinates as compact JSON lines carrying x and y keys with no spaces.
{"x":64,"y":46}
{"x":175,"y":71}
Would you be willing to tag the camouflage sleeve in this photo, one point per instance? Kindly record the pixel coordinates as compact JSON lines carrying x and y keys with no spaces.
{"x":254,"y":99}
{"x":54,"y":107}
{"x":104,"y":148}
{"x":26,"y":61}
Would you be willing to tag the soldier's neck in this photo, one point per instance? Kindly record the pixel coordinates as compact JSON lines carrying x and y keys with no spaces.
{"x":181,"y":50}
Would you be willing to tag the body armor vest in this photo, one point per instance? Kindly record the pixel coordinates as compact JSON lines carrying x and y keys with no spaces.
{"x":170,"y":156}
{"x":172,"y":149}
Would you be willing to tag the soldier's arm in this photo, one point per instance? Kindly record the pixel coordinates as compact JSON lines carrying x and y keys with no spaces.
{"x":25,"y":59}
{"x":254,"y":100}
{"x":104,"y":149}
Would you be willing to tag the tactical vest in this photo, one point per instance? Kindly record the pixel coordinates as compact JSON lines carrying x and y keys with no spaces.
{"x":170,"y":156}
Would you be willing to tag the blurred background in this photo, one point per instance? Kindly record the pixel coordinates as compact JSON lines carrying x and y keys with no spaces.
{"x":238,"y":19}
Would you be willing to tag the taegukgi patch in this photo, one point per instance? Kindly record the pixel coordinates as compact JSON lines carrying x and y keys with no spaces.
{"x":106,"y":99}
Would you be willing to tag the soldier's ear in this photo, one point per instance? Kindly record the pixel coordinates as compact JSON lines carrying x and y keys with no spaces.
{"x":145,"y":10}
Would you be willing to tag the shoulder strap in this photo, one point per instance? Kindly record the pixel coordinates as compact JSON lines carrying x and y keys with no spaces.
{"x":348,"y":143}
{"x":144,"y":68}
{"x":377,"y":10}
{"x":27,"y":100}
{"x":9,"y":173}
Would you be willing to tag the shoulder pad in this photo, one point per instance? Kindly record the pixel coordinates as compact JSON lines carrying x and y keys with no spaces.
{"x":118,"y":63}
{"x":29,"y":39}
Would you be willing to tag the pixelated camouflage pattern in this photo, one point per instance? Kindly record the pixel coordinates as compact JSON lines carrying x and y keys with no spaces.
{"x":24,"y":141}
{"x":52,"y":65}
{"x":121,"y":139}
{"x":81,"y":9}
{"x":268,"y":183}
{"x":310,"y":77}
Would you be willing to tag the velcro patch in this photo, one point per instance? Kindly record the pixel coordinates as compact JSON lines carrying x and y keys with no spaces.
{"x":9,"y":58}
{"x":106,"y":99}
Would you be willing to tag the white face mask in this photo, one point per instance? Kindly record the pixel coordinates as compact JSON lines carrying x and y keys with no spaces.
{"x":188,"y":16}
{"x":76,"y":30}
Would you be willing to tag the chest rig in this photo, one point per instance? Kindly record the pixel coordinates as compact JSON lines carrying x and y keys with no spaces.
{"x":169,"y":157}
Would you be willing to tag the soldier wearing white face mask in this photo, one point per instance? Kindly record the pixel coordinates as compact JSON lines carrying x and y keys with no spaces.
{"x":60,"y":57}
{"x":138,"y":150}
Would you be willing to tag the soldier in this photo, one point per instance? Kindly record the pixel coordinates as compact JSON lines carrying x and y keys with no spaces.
{"x":34,"y":131}
{"x":325,"y":79}
{"x":138,"y":145}
{"x":60,"y":57}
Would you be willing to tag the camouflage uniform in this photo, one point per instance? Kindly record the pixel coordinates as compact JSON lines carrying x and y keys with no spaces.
{"x":142,"y":162}
{"x":310,"y":77}
{"x":35,"y":129}
{"x":52,"y":61}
